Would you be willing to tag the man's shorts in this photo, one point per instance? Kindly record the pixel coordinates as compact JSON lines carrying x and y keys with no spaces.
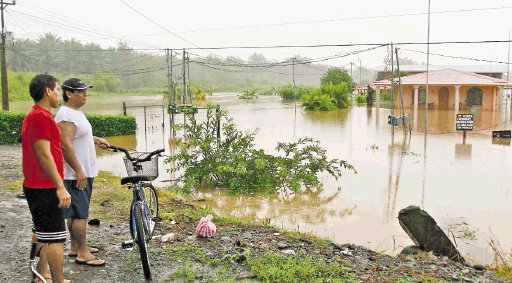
{"x":80,"y":199}
{"x":47,"y":217}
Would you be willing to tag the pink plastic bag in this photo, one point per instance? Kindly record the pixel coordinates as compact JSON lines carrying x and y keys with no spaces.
{"x":205,"y":228}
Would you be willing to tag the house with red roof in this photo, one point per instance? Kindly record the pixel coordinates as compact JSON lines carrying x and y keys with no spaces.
{"x":447,"y":89}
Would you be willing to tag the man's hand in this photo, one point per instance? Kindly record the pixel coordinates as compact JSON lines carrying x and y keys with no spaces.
{"x":81,"y":180}
{"x":102,"y":143}
{"x":64,"y":197}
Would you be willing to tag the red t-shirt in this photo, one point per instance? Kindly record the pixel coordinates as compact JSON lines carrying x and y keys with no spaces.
{"x":39,"y":124}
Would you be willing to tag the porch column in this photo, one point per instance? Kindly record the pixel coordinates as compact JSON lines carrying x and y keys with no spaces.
{"x":416,"y":98}
{"x":377,"y":98}
{"x":499,"y":97}
{"x":494,"y":98}
{"x":457,"y":88}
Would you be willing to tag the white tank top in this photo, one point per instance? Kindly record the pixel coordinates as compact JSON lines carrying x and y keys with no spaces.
{"x":83,"y":143}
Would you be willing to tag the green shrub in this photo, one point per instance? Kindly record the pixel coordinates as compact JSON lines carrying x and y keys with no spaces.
{"x":361,"y":99}
{"x":10,"y":126}
{"x":112,"y":125}
{"x":318,"y":101}
{"x":102,"y":125}
{"x":234,"y":163}
{"x":289,"y":92}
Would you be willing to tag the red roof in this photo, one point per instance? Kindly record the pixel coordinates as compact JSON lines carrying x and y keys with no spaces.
{"x":446,"y":77}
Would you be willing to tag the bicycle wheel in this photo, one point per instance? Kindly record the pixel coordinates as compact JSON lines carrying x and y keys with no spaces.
{"x":152,"y":207}
{"x":142,"y":240}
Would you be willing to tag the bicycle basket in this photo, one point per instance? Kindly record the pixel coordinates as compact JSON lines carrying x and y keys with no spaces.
{"x":148,"y":168}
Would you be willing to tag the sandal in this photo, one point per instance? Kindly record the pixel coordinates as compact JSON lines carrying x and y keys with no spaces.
{"x":91,"y":261}
{"x":92,"y":250}
{"x":48,"y":280}
{"x":37,"y":280}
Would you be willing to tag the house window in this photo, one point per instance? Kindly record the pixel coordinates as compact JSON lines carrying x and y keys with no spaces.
{"x":474,"y":96}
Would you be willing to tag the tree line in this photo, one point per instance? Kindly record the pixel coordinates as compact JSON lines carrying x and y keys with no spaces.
{"x":121,"y":68}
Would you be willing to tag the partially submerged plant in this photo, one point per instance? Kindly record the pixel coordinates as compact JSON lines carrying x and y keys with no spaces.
{"x":234,"y":163}
{"x":502,"y":260}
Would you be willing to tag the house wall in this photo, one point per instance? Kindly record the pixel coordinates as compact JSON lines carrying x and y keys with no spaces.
{"x":433,"y":97}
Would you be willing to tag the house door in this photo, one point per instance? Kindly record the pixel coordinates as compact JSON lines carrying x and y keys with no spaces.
{"x":444,"y":96}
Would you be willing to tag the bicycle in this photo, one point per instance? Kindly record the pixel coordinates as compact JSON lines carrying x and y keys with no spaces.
{"x":144,"y":208}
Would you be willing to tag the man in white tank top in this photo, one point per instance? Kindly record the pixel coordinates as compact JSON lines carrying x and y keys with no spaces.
{"x":80,"y":167}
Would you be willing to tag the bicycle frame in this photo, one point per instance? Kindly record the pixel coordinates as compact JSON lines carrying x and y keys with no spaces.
{"x":140,"y":197}
{"x":33,"y":261}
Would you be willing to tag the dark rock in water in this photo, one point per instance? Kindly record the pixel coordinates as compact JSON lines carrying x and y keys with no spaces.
{"x":479,"y":267}
{"x":425,"y":233}
{"x":411,"y":250}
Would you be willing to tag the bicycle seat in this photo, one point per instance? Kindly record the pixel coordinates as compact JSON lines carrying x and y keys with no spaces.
{"x":136,"y":179}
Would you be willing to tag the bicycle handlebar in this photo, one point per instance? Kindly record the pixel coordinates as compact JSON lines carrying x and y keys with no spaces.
{"x":134,"y":159}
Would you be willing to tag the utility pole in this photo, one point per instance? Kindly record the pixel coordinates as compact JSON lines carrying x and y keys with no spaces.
{"x":184,"y":91}
{"x":359,"y":71}
{"x":351,"y":70}
{"x":169,"y":76}
{"x":5,"y":87}
{"x":509,"y":92}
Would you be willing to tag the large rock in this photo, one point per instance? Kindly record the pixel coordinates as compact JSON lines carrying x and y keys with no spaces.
{"x":425,"y":233}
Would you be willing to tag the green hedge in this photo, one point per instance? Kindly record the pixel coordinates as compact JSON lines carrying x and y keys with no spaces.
{"x":112,"y":125}
{"x":10,"y":126}
{"x":102,"y":125}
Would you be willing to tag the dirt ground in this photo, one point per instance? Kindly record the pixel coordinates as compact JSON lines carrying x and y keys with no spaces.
{"x":218,"y":259}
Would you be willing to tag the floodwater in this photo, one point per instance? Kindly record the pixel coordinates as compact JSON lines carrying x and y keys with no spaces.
{"x":464,"y":186}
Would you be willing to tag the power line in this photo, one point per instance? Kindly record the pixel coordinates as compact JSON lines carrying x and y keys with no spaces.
{"x":287,"y":46}
{"x":73,"y":23}
{"x":157,"y":24}
{"x":340,"y":19}
{"x":456,"y":57}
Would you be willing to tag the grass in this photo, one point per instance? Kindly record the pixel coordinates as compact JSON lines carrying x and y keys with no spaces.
{"x":502,"y":260}
{"x":186,"y":272}
{"x":111,"y":200}
{"x":317,"y":242}
{"x":14,"y":186}
{"x":274,"y":267}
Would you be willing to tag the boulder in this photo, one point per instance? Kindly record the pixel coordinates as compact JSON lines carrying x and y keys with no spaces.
{"x":426,"y":234}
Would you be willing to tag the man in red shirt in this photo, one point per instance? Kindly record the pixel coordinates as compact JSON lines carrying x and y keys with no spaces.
{"x":43,"y":170}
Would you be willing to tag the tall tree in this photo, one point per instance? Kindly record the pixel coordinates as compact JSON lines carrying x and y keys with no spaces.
{"x":337,"y":76}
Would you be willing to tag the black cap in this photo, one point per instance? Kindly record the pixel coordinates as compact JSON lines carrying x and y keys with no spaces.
{"x":74,"y":84}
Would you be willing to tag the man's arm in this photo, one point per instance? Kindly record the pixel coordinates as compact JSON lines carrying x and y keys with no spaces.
{"x":45,"y":158}
{"x":67,"y":132}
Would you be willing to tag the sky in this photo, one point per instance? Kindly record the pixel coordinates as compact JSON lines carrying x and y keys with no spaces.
{"x":154,"y":25}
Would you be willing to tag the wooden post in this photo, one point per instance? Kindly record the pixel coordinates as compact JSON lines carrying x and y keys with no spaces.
{"x":124,"y":108}
{"x":464,"y":137}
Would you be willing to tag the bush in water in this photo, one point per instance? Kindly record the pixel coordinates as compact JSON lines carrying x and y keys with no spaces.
{"x":232,"y":162}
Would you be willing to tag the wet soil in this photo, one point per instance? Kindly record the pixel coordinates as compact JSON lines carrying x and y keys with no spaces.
{"x":217,"y":259}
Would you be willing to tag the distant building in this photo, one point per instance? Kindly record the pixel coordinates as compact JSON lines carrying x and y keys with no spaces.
{"x":495,"y":71}
{"x":448,"y":89}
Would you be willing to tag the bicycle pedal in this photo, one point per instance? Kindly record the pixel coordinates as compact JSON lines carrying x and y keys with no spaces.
{"x":157,"y":219}
{"x":127,"y":245}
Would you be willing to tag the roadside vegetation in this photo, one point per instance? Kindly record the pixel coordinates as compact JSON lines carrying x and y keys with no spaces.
{"x":502,"y":259}
{"x":103,"y":125}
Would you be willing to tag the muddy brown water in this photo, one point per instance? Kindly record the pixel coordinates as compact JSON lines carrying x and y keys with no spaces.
{"x":465,"y":186}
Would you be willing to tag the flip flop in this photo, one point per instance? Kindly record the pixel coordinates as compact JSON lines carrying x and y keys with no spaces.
{"x":92,"y":250}
{"x":89,"y":262}
{"x":48,"y":279}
